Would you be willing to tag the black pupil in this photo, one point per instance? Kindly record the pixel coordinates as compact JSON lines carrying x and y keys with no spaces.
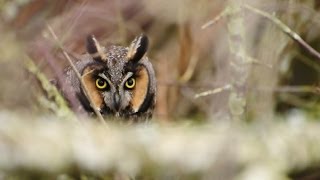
{"x":100,"y":82}
{"x":130,"y":82}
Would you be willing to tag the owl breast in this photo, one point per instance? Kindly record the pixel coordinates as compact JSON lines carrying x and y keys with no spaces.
{"x":120,"y":81}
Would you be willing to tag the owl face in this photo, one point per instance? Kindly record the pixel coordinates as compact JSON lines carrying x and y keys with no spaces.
{"x":120,"y":80}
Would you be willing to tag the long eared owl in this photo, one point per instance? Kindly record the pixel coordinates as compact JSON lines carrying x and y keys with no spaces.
{"x":120,"y":80}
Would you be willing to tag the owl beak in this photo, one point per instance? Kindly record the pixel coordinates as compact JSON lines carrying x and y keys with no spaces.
{"x":116,"y":101}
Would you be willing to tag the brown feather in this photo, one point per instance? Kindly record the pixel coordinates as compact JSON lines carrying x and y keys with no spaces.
{"x":141,"y":89}
{"x":90,"y":86}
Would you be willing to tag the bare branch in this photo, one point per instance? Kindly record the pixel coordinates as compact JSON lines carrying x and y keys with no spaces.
{"x":213,"y":91}
{"x":97,"y":112}
{"x":190,"y":69}
{"x":285,"y":29}
{"x":216,"y":19}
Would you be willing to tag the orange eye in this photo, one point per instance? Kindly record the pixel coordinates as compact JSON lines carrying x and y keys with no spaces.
{"x":130,"y":83}
{"x":101,"y":83}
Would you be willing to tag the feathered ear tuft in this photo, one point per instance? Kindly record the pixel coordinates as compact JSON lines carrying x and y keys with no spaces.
{"x":138,"y":48}
{"x":95,"y":49}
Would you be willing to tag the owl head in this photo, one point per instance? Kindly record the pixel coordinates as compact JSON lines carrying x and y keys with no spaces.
{"x":120,"y":80}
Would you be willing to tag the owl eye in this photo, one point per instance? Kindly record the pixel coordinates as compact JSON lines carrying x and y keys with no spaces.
{"x":130,"y":83}
{"x":101,"y":83}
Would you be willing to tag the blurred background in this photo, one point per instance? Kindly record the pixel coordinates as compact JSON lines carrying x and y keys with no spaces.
{"x":282,"y":78}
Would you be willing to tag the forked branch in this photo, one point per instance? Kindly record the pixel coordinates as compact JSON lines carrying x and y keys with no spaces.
{"x":285,"y":29}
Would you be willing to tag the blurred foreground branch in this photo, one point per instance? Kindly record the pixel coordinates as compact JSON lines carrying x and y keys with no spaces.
{"x":221,"y":151}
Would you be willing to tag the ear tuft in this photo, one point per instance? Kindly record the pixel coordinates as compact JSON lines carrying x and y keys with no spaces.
{"x":138,"y":48}
{"x":95,"y":49}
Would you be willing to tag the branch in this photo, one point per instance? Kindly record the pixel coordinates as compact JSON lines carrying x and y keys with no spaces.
{"x":213,"y":91}
{"x":95,"y":109}
{"x":54,"y":147}
{"x":285,"y":29}
{"x":59,"y":106}
{"x":216,"y":19}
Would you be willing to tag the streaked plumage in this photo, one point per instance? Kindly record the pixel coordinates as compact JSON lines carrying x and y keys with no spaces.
{"x":120,"y":80}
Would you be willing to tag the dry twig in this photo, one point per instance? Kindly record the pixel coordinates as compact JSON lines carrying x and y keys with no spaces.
{"x":213,"y":91}
{"x":216,"y":19}
{"x":285,"y":29}
{"x":97,"y":112}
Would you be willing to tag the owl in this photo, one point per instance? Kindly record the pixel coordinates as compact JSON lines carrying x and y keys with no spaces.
{"x":120,"y":80}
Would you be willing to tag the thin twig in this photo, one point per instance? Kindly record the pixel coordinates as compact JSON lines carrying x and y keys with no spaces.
{"x":216,"y":19}
{"x":48,"y":57}
{"x":190,"y":69}
{"x":279,"y":89}
{"x":95,"y":109}
{"x":75,"y":20}
{"x":213,"y":91}
{"x":285,"y":29}
{"x":297,"y":89}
